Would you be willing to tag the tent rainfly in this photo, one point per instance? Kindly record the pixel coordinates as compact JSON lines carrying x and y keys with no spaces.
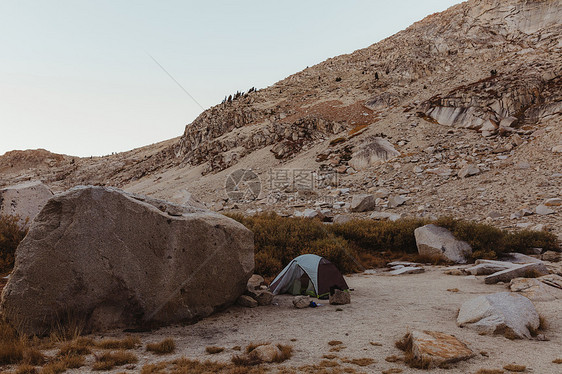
{"x":308,"y":274}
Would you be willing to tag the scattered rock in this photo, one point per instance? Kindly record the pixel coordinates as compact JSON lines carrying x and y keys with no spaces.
{"x":340,"y":297}
{"x":556,"y":201}
{"x":543,"y":210}
{"x":247,"y":301}
{"x":435,"y":241}
{"x":551,"y":256}
{"x":487,"y":267}
{"x":379,"y":216}
{"x":557,"y":148}
{"x":518,"y":258}
{"x":255,"y":282}
{"x":362,"y":203}
{"x":407,"y":270}
{"x":526,"y":270}
{"x":264,"y":298}
{"x":434,"y":349}
{"x":534,"y":289}
{"x":124,"y":260}
{"x":301,"y":302}
{"x":505,"y":313}
{"x":396,"y":201}
{"x":374,"y":151}
{"x":265,"y":353}
{"x":468,"y":171}
{"x":342,"y":218}
{"x":24,"y":200}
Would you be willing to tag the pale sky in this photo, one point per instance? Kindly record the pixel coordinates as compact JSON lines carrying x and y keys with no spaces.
{"x":76,"y":76}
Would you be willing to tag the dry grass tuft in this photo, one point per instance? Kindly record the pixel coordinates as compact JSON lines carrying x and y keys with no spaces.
{"x":515,"y":368}
{"x":109,"y":360}
{"x":329,"y":357}
{"x":334,"y":342}
{"x":359,"y":361}
{"x":376,"y":344}
{"x":26,"y":369}
{"x":392,"y":371}
{"x":393,"y":358}
{"x":489,"y":371}
{"x":250,"y":347}
{"x":405,"y":344}
{"x":77,"y":347}
{"x":286,"y":352}
{"x":33,"y":356}
{"x":453,"y":290}
{"x":557,"y":361}
{"x":129,"y":342}
{"x":337,"y":348}
{"x":213,"y":350}
{"x":236,"y":348}
{"x":164,"y":347}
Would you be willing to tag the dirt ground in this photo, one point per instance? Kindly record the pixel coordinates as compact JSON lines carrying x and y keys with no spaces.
{"x":383,"y":309}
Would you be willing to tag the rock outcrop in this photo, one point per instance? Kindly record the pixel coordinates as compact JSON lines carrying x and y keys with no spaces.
{"x":113,"y":259}
{"x":24,"y":200}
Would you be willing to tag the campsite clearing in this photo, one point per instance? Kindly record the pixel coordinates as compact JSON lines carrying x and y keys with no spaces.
{"x":383,"y":309}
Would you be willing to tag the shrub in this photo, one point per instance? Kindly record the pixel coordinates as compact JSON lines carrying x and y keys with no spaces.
{"x":128,"y":342}
{"x":364,"y":243}
{"x":213,"y":350}
{"x":109,"y":360}
{"x":11,"y":234}
{"x":164,"y":347}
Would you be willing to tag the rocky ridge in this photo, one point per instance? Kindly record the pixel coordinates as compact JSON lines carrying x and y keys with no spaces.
{"x":469,"y":101}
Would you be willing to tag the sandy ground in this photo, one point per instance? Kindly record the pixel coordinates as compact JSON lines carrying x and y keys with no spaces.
{"x":383,"y":309}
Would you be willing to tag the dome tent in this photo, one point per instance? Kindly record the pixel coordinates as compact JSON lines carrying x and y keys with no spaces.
{"x":308,"y":274}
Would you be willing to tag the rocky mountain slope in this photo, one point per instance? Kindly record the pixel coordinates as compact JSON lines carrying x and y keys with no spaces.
{"x":459,"y":114}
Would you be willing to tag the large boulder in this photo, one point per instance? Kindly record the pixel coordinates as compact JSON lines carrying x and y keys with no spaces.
{"x":113,"y":259}
{"x":24,"y":200}
{"x":505,"y":313}
{"x":438,"y":242}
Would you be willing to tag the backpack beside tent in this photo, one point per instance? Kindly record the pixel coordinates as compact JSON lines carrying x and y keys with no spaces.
{"x":309,"y":275}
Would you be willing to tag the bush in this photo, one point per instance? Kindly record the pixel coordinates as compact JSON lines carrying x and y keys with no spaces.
{"x":363,"y":243}
{"x":11,"y":234}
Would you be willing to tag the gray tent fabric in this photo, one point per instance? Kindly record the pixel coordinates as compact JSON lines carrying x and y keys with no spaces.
{"x":322,"y":274}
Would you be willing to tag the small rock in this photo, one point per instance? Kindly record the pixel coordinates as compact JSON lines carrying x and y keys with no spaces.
{"x":340,"y":297}
{"x":468,"y":171}
{"x":527,"y":270}
{"x":534,"y":289}
{"x":301,"y":302}
{"x":557,"y":148}
{"x":556,"y":201}
{"x":342,"y":218}
{"x":264,"y":298}
{"x":381,"y":193}
{"x":543,"y":210}
{"x":487,"y":267}
{"x":362,"y":203}
{"x":551,"y":256}
{"x":379,"y":216}
{"x":436,"y":349}
{"x":247,"y":301}
{"x":265,"y":353}
{"x":407,"y":270}
{"x":396,"y":201}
